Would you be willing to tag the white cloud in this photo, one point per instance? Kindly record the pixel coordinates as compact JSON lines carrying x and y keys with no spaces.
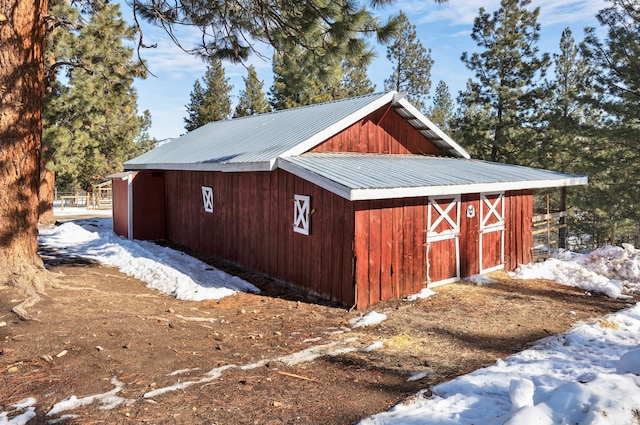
{"x":568,"y":11}
{"x":463,"y":13}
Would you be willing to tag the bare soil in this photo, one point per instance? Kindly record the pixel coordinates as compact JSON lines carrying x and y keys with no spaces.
{"x":100,"y":325}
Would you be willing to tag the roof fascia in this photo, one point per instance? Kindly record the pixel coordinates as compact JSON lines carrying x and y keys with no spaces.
{"x":124,"y":175}
{"x":202,"y":166}
{"x":445,"y":190}
{"x":426,"y":121}
{"x":337,"y":127}
{"x":314,"y":178}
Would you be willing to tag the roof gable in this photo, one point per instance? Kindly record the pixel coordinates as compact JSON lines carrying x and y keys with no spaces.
{"x":256,"y":142}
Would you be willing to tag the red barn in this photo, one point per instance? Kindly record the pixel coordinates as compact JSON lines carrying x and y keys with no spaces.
{"x":358,"y":200}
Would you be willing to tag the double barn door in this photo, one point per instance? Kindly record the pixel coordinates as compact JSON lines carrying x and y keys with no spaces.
{"x":443,"y":235}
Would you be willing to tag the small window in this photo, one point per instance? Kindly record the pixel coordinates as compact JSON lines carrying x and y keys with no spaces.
{"x":207,"y":198}
{"x":301,"y":216}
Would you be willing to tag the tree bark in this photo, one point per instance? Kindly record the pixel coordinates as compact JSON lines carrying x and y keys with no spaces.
{"x":22,"y":35}
{"x":46,"y":193}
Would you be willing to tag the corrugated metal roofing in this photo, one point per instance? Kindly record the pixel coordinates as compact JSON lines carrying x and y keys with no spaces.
{"x":428,"y":129}
{"x":371,"y":176}
{"x":250,"y":140}
{"x":254,"y":143}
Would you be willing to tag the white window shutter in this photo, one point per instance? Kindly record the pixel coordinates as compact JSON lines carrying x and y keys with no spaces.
{"x":207,"y":198}
{"x":301,"y":215}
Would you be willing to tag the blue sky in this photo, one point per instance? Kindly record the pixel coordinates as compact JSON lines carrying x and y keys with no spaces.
{"x":445,"y":29}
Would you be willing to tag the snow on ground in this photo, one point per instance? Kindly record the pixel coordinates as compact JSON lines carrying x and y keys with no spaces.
{"x":424,"y":293}
{"x":572,"y":378}
{"x":80,"y":211}
{"x":159,"y":267}
{"x":611,"y":270}
{"x":589,"y":375}
{"x":369,"y":319}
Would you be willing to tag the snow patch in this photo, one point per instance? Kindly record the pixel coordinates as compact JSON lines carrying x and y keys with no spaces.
{"x":424,"y":293}
{"x":480,"y":280}
{"x":161,"y":268}
{"x":369,"y":319}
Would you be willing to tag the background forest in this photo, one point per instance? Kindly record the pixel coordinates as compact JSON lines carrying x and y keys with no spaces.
{"x":576,"y":110}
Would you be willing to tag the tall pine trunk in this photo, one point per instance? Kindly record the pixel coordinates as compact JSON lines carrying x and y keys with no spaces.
{"x":46,"y":193}
{"x":22,"y":34}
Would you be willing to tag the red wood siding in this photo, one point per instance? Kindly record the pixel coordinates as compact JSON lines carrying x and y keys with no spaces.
{"x":120,"y":207}
{"x":389,"y":248}
{"x":148,"y":205}
{"x":393,"y":135}
{"x":441,"y":257}
{"x":252,"y":225}
{"x":390,"y":244}
{"x":518,"y":236}
{"x":469,"y":235}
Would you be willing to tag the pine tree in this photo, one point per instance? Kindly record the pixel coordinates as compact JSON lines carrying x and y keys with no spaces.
{"x":21,"y":91}
{"x":92,"y":124}
{"x":564,"y":111}
{"x":507,"y":73}
{"x":563,"y":143}
{"x":411,"y":64}
{"x":442,"y":110}
{"x":355,"y":81}
{"x":472,"y":121}
{"x":616,"y":89}
{"x":328,"y":30}
{"x":192,"y":120}
{"x":210,"y":102}
{"x":295,"y":85}
{"x":252,"y":98}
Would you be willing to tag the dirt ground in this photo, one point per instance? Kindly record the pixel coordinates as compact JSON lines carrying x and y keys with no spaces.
{"x":240,"y":360}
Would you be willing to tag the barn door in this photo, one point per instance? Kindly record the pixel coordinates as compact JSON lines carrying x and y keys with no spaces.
{"x":443,"y":231}
{"x":491,"y":231}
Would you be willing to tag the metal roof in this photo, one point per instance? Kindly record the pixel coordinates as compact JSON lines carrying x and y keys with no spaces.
{"x":376,"y":176}
{"x":428,"y":129}
{"x":254,"y":143}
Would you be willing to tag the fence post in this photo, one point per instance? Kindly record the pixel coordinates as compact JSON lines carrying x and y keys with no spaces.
{"x":562,"y":231}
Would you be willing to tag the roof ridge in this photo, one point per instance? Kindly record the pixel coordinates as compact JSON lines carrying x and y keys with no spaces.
{"x":311,"y":105}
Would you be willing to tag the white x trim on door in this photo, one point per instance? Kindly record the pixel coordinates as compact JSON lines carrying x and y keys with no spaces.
{"x":443,"y":215}
{"x":489,"y":210}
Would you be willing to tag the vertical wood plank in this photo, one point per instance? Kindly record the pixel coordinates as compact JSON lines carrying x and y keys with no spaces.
{"x":388,"y":239}
{"x":335,"y":249}
{"x":362,"y":253}
{"x":315,"y":239}
{"x":347,"y":265}
{"x":375,"y":248}
{"x":272,"y":224}
{"x":408,"y":249}
{"x":324,"y":233}
{"x":285,"y":208}
{"x":512,"y":216}
{"x":419,"y":267}
{"x":527,"y":229}
{"x":397,"y":248}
